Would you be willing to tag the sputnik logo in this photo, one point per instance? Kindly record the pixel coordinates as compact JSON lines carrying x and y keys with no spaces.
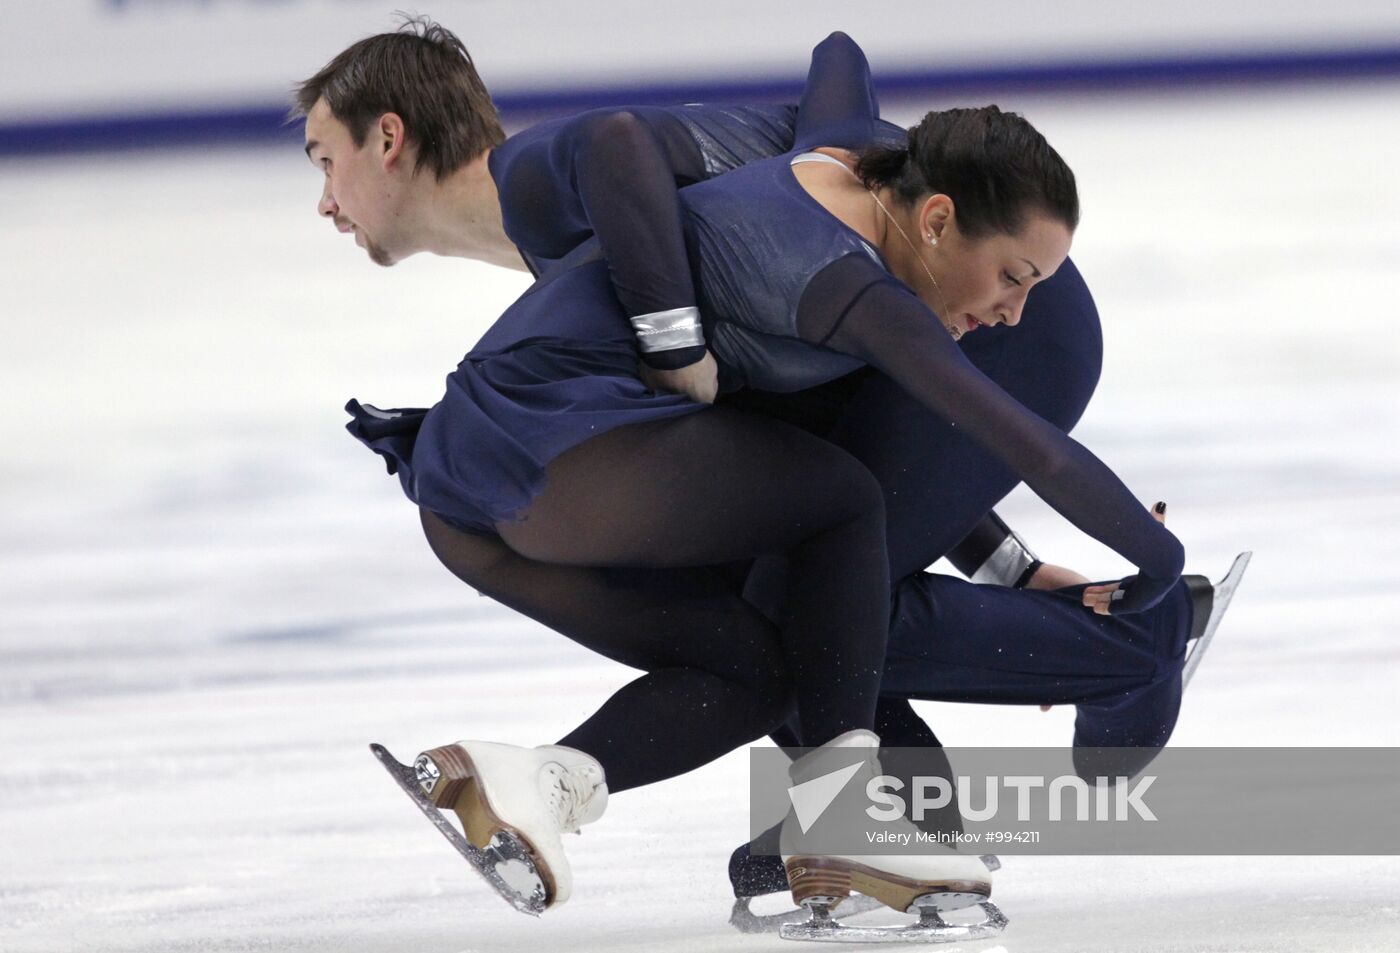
{"x":810,"y":799}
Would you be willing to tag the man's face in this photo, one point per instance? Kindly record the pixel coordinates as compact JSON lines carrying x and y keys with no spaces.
{"x":360,"y":194}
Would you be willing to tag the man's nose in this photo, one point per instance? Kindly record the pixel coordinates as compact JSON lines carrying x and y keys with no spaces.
{"x":327,"y":206}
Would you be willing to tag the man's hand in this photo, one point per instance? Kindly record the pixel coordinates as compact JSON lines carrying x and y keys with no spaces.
{"x":1055,"y":577}
{"x":698,"y":381}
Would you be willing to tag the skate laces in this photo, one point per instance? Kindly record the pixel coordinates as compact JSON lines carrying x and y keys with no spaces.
{"x":569,"y":793}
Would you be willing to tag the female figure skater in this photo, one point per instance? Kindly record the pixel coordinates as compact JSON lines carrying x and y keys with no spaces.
{"x":547,"y":439}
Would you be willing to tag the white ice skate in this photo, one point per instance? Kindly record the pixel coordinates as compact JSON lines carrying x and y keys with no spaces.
{"x":928,"y":884}
{"x":513,"y":803}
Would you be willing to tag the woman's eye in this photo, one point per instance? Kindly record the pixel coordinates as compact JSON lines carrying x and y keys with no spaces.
{"x":1011,"y":279}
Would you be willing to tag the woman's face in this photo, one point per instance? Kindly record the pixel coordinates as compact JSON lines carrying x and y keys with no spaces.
{"x":985,"y":281}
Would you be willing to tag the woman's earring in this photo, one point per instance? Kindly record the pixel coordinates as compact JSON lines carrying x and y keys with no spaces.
{"x":933,"y":242}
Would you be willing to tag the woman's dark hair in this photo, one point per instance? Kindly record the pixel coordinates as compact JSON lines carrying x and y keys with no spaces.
{"x":423,"y":73}
{"x":995,"y":167}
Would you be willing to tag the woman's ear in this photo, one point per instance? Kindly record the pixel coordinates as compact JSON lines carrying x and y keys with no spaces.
{"x":935,"y":215}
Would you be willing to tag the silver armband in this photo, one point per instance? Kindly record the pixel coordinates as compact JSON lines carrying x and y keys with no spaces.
{"x":1007,"y":563}
{"x":668,"y":330}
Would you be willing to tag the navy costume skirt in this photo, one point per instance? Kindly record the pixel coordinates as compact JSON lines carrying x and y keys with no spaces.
{"x":558,"y":367}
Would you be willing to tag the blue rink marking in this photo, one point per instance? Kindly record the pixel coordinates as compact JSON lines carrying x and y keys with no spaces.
{"x":262,"y":124}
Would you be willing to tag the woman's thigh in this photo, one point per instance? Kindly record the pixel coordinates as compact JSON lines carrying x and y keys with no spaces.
{"x":649,"y":619}
{"x":709,"y":487}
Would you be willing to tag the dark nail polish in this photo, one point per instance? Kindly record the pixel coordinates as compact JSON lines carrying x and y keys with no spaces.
{"x":1160,"y":508}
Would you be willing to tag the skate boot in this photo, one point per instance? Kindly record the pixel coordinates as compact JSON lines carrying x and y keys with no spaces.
{"x":930,"y":883}
{"x":535,"y":794}
{"x":758,"y":875}
{"x":753,"y":875}
{"x":513,"y":804}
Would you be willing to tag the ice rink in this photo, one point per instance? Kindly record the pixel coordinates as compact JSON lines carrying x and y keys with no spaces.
{"x":214,"y":598}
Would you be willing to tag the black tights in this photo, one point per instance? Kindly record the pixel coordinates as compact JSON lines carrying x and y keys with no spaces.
{"x":680,"y":496}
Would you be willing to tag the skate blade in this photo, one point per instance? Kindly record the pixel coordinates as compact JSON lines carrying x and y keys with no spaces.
{"x":931,"y":928}
{"x":743,"y":919}
{"x":505,"y":864}
{"x":1224,"y":593}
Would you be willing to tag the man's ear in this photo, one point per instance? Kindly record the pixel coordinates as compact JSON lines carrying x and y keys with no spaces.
{"x":393,"y":138}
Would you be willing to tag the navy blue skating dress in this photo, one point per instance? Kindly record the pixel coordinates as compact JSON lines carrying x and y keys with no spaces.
{"x":561,"y":365}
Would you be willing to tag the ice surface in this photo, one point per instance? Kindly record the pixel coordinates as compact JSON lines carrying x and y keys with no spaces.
{"x":213,"y":598}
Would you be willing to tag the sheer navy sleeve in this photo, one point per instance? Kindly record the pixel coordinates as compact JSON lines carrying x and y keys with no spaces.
{"x":624,"y":168}
{"x":855,"y":307}
{"x":838,"y":106}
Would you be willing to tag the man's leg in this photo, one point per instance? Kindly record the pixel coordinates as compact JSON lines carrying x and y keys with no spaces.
{"x":952,"y":640}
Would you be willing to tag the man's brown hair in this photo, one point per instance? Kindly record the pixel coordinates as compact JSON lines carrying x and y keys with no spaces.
{"x":423,"y":73}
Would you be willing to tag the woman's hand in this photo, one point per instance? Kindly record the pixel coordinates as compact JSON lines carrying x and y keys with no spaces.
{"x":1101,"y":598}
{"x":698,"y":381}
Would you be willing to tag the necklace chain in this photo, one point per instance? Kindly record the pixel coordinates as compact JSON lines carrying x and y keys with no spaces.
{"x":955,"y":331}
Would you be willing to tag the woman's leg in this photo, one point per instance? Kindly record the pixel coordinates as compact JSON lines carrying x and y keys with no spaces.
{"x":718,"y":486}
{"x":716,"y":676}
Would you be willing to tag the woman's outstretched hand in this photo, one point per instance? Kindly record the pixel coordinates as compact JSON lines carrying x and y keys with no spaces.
{"x":698,"y":381}
{"x":1101,"y":598}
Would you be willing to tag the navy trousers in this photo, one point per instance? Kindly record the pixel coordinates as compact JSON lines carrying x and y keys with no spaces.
{"x":954,"y":641}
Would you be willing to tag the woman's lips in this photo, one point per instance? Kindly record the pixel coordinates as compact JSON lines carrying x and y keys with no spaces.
{"x":972,"y":323}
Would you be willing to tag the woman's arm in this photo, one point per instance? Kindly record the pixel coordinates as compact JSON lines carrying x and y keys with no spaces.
{"x":853,"y":306}
{"x":838,"y":106}
{"x":625,"y":177}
